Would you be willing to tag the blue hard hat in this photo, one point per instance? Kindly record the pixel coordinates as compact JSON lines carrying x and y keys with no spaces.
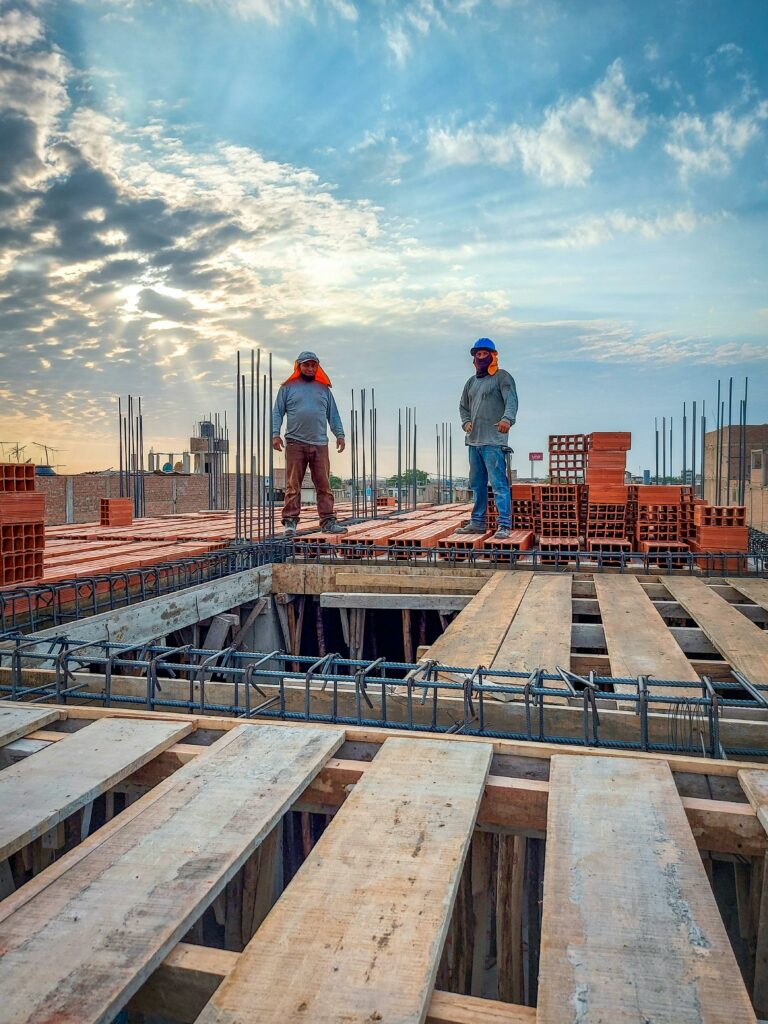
{"x":482,"y":343}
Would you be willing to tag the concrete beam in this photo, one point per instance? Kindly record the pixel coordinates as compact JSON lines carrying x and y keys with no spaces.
{"x":396,"y":602}
{"x":146,"y":620}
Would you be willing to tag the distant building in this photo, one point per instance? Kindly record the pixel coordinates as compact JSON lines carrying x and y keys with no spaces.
{"x":722,"y":488}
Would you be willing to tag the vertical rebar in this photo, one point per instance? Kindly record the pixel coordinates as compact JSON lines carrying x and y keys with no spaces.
{"x":718,"y":452}
{"x":703,"y":442}
{"x":730,"y":427}
{"x":694,"y":424}
{"x":271,"y":458}
{"x":250,"y":460}
{"x":656,"y":429}
{"x":238,"y":496}
{"x":399,"y":457}
{"x":664,"y":449}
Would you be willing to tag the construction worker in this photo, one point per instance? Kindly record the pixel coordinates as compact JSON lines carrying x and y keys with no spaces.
{"x":305,"y":400}
{"x":488,"y":408}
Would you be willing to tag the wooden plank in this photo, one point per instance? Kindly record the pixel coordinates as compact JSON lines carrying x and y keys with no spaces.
{"x":743,"y":644}
{"x":392,"y":857}
{"x":86,"y":937}
{"x":636,"y":638}
{"x":413,"y":602}
{"x":189,"y":975}
{"x":755,"y":785}
{"x":17,"y":720}
{"x":756,"y":590}
{"x":475,"y":635}
{"x":437,"y":583}
{"x":539,"y":635}
{"x":631,"y":931}
{"x":44,"y":789}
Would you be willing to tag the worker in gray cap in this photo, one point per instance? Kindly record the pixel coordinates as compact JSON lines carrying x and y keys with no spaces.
{"x":306,"y":402}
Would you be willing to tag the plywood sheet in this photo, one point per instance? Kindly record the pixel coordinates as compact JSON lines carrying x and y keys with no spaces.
{"x":42,"y":790}
{"x":756,"y":590}
{"x":358,"y":934}
{"x":83,"y":944}
{"x":475,"y":635}
{"x":636,"y":637}
{"x":743,"y":644}
{"x":631,"y":932}
{"x":17,"y":720}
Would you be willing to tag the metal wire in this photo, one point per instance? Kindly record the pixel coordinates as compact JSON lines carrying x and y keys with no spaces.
{"x":693,"y":721}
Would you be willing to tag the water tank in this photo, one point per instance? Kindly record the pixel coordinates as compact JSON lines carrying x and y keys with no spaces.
{"x":206,"y":429}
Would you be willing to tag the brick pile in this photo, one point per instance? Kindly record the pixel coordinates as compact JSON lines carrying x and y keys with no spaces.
{"x":556,"y":516}
{"x":22,"y":525}
{"x":116,"y":511}
{"x":720,"y":529}
{"x":522,"y":506}
{"x":568,"y":458}
{"x":607,"y":457}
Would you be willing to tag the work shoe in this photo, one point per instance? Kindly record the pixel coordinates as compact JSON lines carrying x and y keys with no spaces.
{"x":331,"y":526}
{"x":290,"y":527}
{"x":471,"y":528}
{"x":501,"y":534}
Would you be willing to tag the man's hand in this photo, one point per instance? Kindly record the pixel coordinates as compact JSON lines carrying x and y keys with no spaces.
{"x":468,"y":427}
{"x":503,"y":426}
{"x":277,"y":443}
{"x":341,"y":444}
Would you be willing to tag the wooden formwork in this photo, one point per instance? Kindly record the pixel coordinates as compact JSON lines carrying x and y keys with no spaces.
{"x":212,"y":870}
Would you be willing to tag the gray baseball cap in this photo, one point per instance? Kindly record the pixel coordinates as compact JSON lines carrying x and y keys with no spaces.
{"x":306,"y":356}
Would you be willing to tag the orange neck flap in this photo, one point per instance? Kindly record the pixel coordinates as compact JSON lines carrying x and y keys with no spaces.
{"x":321,"y":376}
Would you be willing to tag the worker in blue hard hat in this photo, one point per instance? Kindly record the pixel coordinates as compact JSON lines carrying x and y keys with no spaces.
{"x":488,"y":408}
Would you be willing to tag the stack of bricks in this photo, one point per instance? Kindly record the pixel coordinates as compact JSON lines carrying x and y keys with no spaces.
{"x":720,"y":529}
{"x":522,"y":506}
{"x":606,"y":526}
{"x":116,"y":511}
{"x":659,"y":519}
{"x":687,"y":519}
{"x":607,"y":459}
{"x":22,"y":525}
{"x":568,"y":458}
{"x":556,"y":517}
{"x":492,"y":519}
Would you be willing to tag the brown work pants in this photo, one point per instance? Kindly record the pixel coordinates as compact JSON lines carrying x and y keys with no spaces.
{"x":297,"y":457}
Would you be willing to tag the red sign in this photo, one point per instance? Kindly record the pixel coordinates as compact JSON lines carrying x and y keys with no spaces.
{"x":535,"y":456}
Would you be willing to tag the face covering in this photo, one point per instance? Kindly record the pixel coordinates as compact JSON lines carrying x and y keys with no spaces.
{"x":482,"y":361}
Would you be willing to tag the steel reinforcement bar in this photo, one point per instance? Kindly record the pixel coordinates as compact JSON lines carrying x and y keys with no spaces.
{"x":693,"y":722}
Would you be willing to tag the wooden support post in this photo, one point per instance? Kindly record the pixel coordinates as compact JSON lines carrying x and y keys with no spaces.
{"x":760,"y":988}
{"x":407,"y":637}
{"x":482,"y":908}
{"x":534,"y":884}
{"x":509,"y":918}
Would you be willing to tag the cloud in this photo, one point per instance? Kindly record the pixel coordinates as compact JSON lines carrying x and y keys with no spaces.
{"x":605,"y":341}
{"x":592,"y":231}
{"x":709,"y":145}
{"x":564,"y":147}
{"x":274,"y":11}
{"x":19,"y":28}
{"x":726,"y":55}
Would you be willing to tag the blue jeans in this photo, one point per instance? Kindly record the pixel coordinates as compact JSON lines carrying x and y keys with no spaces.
{"x":487,"y":462}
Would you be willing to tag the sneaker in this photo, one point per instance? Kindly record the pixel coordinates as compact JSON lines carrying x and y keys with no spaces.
{"x":471,"y":528}
{"x":290,"y":527}
{"x":331,"y":526}
{"x":501,"y":534}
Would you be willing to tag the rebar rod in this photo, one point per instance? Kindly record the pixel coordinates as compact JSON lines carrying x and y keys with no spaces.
{"x":730,"y":427}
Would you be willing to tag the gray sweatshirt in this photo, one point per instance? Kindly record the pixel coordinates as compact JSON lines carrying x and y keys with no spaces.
{"x":308,"y":405}
{"x":485,"y":401}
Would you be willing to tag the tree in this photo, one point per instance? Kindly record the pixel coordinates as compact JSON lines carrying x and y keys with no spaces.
{"x":335,"y":482}
{"x":421,"y":478}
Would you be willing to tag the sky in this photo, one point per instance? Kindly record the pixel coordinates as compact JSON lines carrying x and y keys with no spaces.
{"x":383,"y":181}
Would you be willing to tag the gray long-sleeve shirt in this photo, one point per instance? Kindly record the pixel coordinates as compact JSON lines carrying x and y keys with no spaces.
{"x":308,"y":406}
{"x":485,"y":401}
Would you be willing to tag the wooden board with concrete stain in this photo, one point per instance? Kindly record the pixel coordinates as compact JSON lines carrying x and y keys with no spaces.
{"x":743,"y":644}
{"x":475,"y":635}
{"x":636,"y":637}
{"x":44,"y":789}
{"x":17,"y":720}
{"x":630,"y":931}
{"x":539,"y":635}
{"x":756,"y":590}
{"x":101,"y":919}
{"x":390,"y":862}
